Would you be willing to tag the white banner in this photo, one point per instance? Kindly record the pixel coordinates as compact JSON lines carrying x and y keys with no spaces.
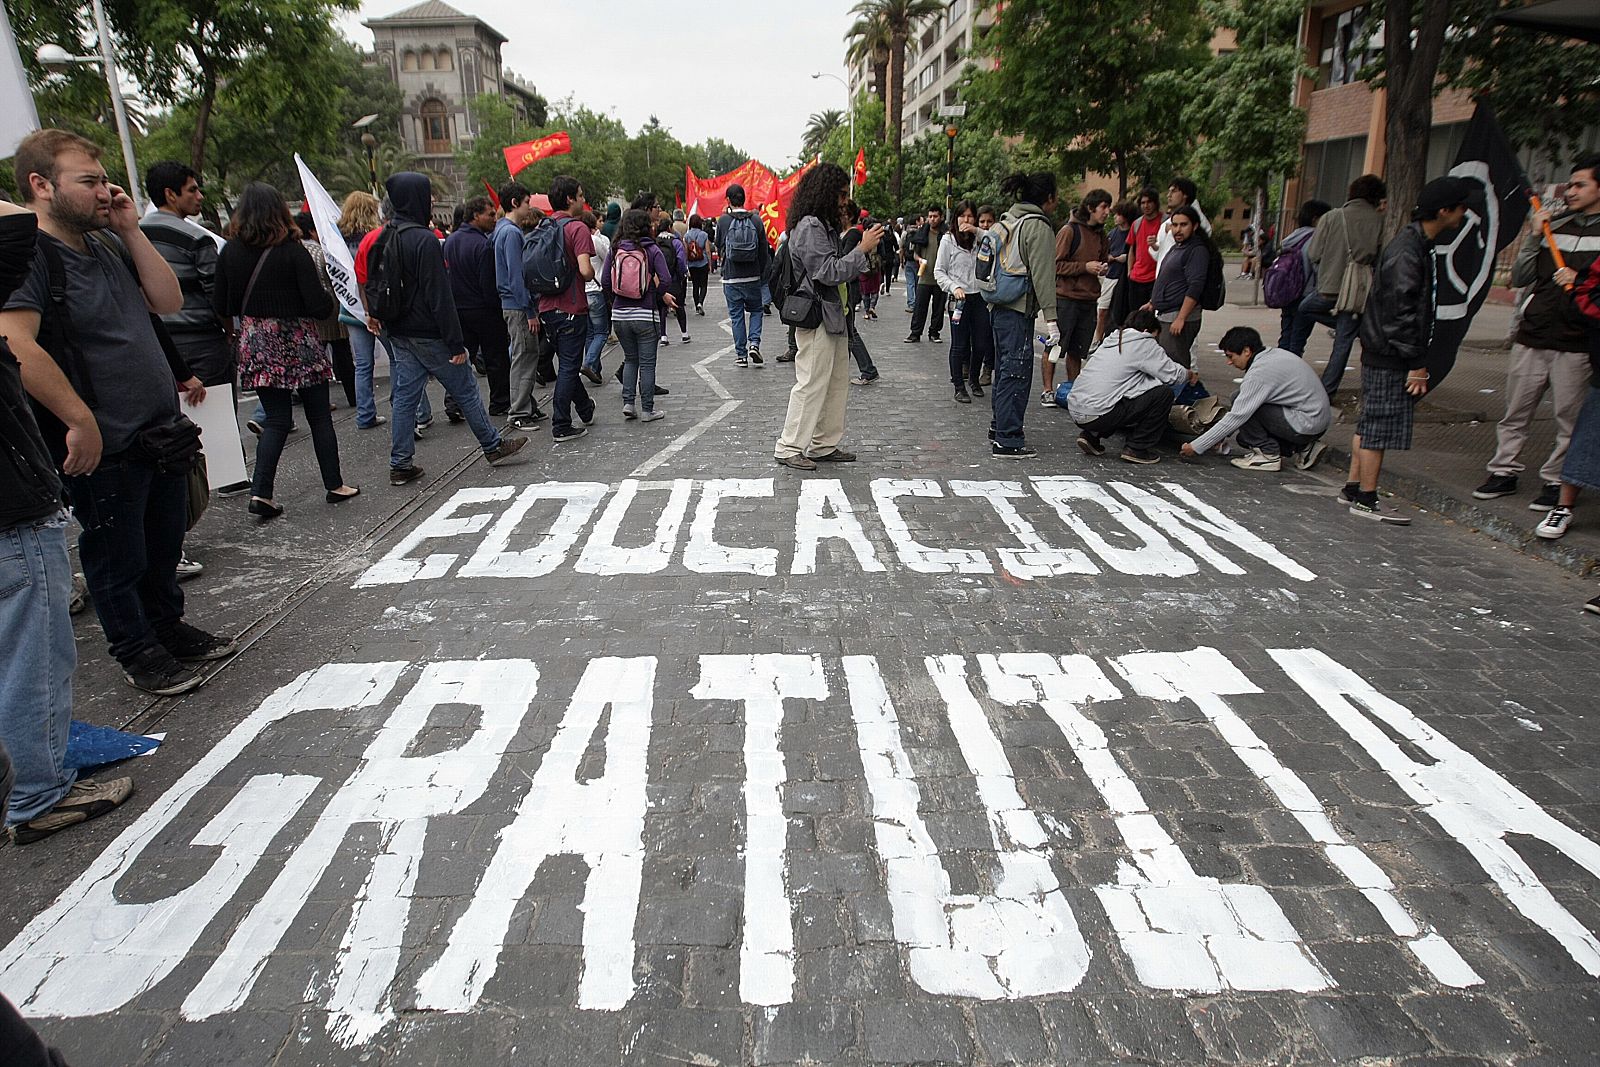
{"x":341,"y":268}
{"x":18,"y":118}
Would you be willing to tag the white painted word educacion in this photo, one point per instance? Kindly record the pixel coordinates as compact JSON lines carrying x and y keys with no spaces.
{"x":1119,"y":527}
{"x":91,"y":952}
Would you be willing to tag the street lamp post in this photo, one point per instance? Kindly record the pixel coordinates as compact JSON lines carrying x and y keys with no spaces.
{"x":56,"y":58}
{"x":849,"y":104}
{"x":370,"y":143}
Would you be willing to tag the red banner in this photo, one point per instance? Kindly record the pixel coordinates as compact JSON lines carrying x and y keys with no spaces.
{"x":861,"y":166}
{"x":520,"y":155}
{"x":708,"y":196}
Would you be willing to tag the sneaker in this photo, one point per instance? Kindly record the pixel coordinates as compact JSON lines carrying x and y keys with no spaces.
{"x":862,"y":379}
{"x":788,"y":357}
{"x":912,"y":339}
{"x":1379,"y":512}
{"x":799,"y":463}
{"x":508,"y":447}
{"x":404,"y":475}
{"x":188,"y":568}
{"x":698,"y":310}
{"x":1549,"y":497}
{"x":424,"y":424}
{"x":193,"y":645}
{"x":589,"y":420}
{"x":665,"y":342}
{"x":986,"y":377}
{"x":652,"y":416}
{"x":1593,"y":605}
{"x":1090,"y":444}
{"x":87,"y":799}
{"x":156,"y":672}
{"x":524,"y":423}
{"x":976,"y":390}
{"x":377,"y":420}
{"x":934,"y":338}
{"x":1011,"y":452}
{"x":1257,"y":460}
{"x":628,"y":412}
{"x":80,"y":596}
{"x":661,"y":390}
{"x":253,"y":426}
{"x":1497,"y":485}
{"x":1139,"y":455}
{"x":1554,"y":525}
{"x":571,"y":433}
{"x":1048,"y":398}
{"x":685,"y":338}
{"x":1344,"y":497}
{"x":741,"y":361}
{"x":1309,"y":456}
{"x":454,"y":415}
{"x":755,"y":356}
{"x":962,"y":396}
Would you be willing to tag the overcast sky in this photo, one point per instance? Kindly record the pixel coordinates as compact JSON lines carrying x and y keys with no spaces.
{"x":752,"y":86}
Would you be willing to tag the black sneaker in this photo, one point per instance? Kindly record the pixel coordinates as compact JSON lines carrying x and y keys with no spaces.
{"x":1593,"y":605}
{"x":934,"y":338}
{"x":1011,"y":452}
{"x":572,"y":433}
{"x":962,"y":397}
{"x":912,"y":339}
{"x":741,"y":361}
{"x":525,"y":422}
{"x":508,"y":447}
{"x":404,"y":475}
{"x":755,"y":357}
{"x":1549,"y":498}
{"x":661,"y":390}
{"x":1090,"y":445}
{"x":87,"y":799}
{"x":155,"y":672}
{"x":1139,"y":455}
{"x":788,"y":357}
{"x":192,"y":644}
{"x":453,"y":415}
{"x":1498,"y":485}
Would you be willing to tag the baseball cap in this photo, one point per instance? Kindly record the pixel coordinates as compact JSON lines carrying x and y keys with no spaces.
{"x":1441,"y":193}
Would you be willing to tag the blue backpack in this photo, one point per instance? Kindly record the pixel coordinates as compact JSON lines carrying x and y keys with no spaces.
{"x":546,"y":267}
{"x":743,"y":238}
{"x":1001,"y":274}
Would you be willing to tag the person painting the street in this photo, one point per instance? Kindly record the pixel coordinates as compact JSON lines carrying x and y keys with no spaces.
{"x":815,"y":420}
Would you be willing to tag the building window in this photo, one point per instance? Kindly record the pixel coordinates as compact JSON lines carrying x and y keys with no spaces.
{"x":1330,"y":168}
{"x":930,"y":74}
{"x":435,"y":128}
{"x":408,"y":62}
{"x":425,"y":59}
{"x":443,"y":61}
{"x":1227,"y":213}
{"x":1350,"y":42}
{"x":958,"y":9}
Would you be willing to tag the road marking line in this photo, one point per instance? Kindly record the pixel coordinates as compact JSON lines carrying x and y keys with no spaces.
{"x":683,"y":440}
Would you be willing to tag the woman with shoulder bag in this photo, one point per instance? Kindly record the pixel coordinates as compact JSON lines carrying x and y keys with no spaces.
{"x":267,"y":279}
{"x":816,"y":304}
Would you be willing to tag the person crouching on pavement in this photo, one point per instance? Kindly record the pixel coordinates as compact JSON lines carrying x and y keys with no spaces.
{"x":1281,"y":408}
{"x":1126,"y":387}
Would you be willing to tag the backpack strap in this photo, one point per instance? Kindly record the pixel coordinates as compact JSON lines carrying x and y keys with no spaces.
{"x":64,"y":347}
{"x":1077,"y":238}
{"x":250,"y":286}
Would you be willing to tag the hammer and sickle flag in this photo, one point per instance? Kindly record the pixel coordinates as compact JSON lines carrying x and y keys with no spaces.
{"x":861,"y":166}
{"x":521,"y":155}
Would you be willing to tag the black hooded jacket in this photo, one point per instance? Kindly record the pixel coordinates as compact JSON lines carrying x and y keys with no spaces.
{"x":29,"y":489}
{"x":432,"y":314}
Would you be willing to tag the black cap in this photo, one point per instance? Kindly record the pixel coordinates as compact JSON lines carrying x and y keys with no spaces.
{"x":1441,"y":194}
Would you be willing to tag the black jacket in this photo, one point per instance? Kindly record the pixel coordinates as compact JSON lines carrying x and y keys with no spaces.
{"x":1397,"y":325}
{"x":432,"y":314}
{"x":29,"y":488}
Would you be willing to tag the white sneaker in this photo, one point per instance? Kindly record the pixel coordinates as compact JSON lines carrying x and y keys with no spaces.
{"x":1554,"y":525}
{"x":1257,"y":460}
{"x":652,"y":416}
{"x":1048,"y":398}
{"x":1308,"y":458}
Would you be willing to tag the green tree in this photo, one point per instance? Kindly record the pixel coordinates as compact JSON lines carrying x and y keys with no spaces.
{"x":818,"y":128}
{"x":875,"y":195}
{"x":902,"y":17}
{"x":720,"y":157}
{"x":596,"y":160}
{"x":870,"y":38}
{"x":1094,"y":84}
{"x":499,"y":126}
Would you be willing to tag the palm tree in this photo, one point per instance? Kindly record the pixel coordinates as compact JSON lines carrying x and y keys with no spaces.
{"x":902,"y":17}
{"x":819,"y":129}
{"x":869,"y":39}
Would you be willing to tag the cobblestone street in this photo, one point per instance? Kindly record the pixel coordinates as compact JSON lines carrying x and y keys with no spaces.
{"x":650,"y":751}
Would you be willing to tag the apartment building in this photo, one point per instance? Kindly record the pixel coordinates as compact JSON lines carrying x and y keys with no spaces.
{"x":935,"y":62}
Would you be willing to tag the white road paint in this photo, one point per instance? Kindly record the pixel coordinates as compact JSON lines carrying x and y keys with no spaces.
{"x":761,"y":684}
{"x":601,"y":820}
{"x":1471,"y":802}
{"x":1036,"y":559}
{"x":395,"y":568}
{"x":704,"y":554}
{"x":1206,"y":677}
{"x":812,"y":526}
{"x":391,"y":789}
{"x":687,"y":437}
{"x":1153,"y":555}
{"x":914,"y":554}
{"x":89,"y":953}
{"x":1022,"y":939}
{"x":496,"y":559}
{"x":1191,"y":524}
{"x":1181,"y":930}
{"x":602,"y":554}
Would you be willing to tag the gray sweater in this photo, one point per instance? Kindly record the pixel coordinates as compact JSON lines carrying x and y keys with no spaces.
{"x":1127,"y":363}
{"x":1274,"y":377}
{"x":816,"y":250}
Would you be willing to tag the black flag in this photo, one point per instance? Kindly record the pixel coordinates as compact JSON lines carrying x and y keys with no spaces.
{"x":1495,"y":213}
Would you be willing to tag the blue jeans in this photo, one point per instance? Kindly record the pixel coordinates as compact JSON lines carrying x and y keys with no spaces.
{"x":1346,"y":327}
{"x":36,"y":671}
{"x":744,"y":298}
{"x":639,"y":340}
{"x":599,"y":329}
{"x":909,"y":271}
{"x":1013,"y":374}
{"x":414,"y":358}
{"x":133,"y":518}
{"x":363,"y":350}
{"x":569,"y":334}
{"x":858,"y":348}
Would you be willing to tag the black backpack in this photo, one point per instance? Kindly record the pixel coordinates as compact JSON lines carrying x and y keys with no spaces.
{"x":388,"y":290}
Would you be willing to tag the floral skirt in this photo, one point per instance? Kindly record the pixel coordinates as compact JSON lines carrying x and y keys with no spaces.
{"x":281,"y":354}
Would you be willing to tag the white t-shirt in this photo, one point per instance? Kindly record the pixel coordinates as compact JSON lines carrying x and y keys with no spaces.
{"x":602,"y":249}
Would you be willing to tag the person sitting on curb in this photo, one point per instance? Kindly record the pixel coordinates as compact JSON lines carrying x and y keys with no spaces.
{"x":1126,"y":387}
{"x":1281,"y":408}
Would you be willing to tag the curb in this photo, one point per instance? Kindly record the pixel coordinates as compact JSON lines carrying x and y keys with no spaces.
{"x":1467,"y":512}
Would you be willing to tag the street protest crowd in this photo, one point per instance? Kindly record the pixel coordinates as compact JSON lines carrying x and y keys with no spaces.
{"x":110,"y":318}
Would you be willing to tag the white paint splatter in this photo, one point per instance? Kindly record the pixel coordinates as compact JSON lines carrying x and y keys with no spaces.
{"x":811,"y":526}
{"x":703,"y":554}
{"x":495,"y":559}
{"x":602,"y":555}
{"x":915,"y":555}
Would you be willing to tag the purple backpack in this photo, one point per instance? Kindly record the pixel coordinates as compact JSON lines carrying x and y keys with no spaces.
{"x":1285,"y":280}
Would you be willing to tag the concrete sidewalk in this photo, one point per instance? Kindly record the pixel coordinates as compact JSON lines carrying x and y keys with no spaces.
{"x":1455,"y":433}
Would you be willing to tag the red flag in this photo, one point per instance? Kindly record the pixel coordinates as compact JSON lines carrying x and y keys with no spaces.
{"x":861,"y":166}
{"x":520,"y":155}
{"x":494,"y":197}
{"x":708,"y":196}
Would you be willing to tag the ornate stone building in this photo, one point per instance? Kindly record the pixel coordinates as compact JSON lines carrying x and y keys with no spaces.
{"x":441,"y":58}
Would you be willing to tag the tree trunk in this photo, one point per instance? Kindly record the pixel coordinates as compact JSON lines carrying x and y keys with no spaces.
{"x":1412,"y":69}
{"x":880,"y":79}
{"x":897,"y":108}
{"x":1121,"y":160}
{"x":202,"y":120}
